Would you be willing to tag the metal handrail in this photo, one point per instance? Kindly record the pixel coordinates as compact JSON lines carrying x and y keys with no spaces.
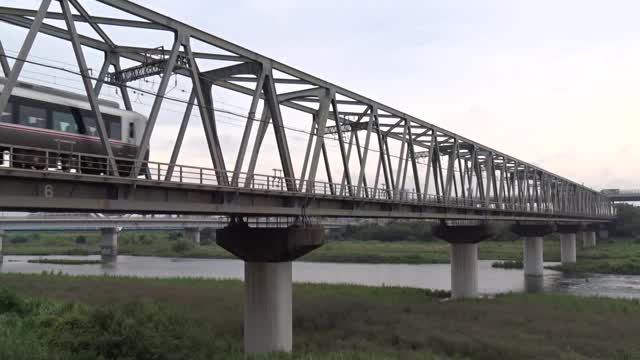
{"x":83,"y":163}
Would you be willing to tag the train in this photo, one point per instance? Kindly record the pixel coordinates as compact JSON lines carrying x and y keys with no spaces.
{"x":61,"y":125}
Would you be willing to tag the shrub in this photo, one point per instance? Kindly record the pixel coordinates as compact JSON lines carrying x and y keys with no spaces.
{"x":81,"y":239}
{"x":182,"y":246}
{"x":19,"y":239}
{"x":174,"y":235}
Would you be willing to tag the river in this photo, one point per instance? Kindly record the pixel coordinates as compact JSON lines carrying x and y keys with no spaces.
{"x":428,"y":276}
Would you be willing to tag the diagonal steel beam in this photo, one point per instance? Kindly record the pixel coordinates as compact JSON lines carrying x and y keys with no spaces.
{"x":6,"y":69}
{"x":278,"y":128}
{"x":246,"y":134}
{"x":178,"y":145}
{"x":88,"y":86}
{"x":155,"y":108}
{"x":84,"y":14}
{"x":22,"y":54}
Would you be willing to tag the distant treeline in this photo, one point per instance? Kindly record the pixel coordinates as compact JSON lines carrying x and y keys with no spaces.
{"x":628,"y":221}
{"x":627,"y":225}
{"x":404,"y":231}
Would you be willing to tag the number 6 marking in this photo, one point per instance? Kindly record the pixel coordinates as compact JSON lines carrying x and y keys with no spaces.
{"x":48,"y":191}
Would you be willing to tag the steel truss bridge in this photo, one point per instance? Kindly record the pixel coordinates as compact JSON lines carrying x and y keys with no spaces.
{"x":622,"y":195}
{"x":388,"y":164}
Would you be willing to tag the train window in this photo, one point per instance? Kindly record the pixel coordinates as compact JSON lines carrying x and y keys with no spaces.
{"x":132,"y":130}
{"x":7,"y":114}
{"x":114,"y":127}
{"x":32,"y":116}
{"x":90,"y":126}
{"x":64,"y":121}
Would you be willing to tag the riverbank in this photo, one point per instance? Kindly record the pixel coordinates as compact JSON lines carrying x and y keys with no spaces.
{"x":617,"y":256}
{"x":168,"y":244}
{"x":84,"y":317}
{"x":620,"y":256}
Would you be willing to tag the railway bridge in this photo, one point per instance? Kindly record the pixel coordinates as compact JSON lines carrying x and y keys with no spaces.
{"x":361,"y":158}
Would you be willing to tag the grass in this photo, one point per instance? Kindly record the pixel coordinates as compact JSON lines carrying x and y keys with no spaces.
{"x":65,"y":317}
{"x":620,"y":256}
{"x":511,"y":264}
{"x":64,"y":261}
{"x":156,"y":243}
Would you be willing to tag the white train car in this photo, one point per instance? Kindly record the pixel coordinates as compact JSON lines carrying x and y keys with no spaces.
{"x":63,"y":123}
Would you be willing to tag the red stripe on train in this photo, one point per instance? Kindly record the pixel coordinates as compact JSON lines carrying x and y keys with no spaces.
{"x":59,"y":133}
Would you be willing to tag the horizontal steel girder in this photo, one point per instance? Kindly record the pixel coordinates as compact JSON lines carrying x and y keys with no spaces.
{"x":45,"y":191}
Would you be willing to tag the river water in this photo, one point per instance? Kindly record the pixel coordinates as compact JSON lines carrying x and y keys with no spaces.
{"x":428,"y":276}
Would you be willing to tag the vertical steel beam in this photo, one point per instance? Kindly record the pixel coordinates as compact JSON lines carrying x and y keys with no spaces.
{"x":327,"y":166}
{"x":246,"y":134}
{"x":265,"y":119}
{"x":203,"y":94}
{"x":12,"y":78}
{"x":103,"y":72}
{"x":461,"y":174}
{"x":359,"y":152}
{"x":391,"y":183}
{"x":321,"y":124}
{"x":278,"y":127}
{"x":180,"y":137}
{"x":343,"y":153}
{"x":155,"y":108}
{"x":400,"y":159}
{"x":124,"y":92}
{"x":414,"y":165}
{"x":363,"y":160}
{"x":429,"y":165}
{"x":377,"y":179}
{"x":451,"y":160}
{"x":404,"y":173}
{"x":91,"y":95}
{"x":381,"y":146}
{"x":347,"y":172}
{"x":307,"y":153}
{"x":353,"y":136}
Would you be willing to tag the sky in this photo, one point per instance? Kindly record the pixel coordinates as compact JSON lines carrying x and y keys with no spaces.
{"x":554,"y":83}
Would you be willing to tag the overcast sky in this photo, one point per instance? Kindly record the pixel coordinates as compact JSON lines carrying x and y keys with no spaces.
{"x":555,"y":83}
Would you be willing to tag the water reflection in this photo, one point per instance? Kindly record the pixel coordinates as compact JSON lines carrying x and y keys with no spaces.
{"x":432,"y":276}
{"x":533,"y":284}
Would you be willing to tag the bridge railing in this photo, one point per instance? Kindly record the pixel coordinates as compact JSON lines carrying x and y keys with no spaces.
{"x":59,"y":161}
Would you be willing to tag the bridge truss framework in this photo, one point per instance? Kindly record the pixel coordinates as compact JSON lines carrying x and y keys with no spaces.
{"x":462,"y":179}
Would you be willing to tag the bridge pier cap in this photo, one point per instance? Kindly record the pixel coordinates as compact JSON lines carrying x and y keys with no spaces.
{"x":531,"y":229}
{"x":270,"y":244}
{"x":464,"y":232}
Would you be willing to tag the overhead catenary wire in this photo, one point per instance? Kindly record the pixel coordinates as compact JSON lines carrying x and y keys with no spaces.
{"x":186,"y":102}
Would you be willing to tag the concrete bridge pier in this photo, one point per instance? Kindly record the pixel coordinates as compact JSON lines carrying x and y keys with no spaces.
{"x":532,"y":245}
{"x":589,"y":239}
{"x":193,"y":234}
{"x":568,"y":242}
{"x":463,"y":239}
{"x":603,"y":234}
{"x":109,"y":245}
{"x":268,"y":254}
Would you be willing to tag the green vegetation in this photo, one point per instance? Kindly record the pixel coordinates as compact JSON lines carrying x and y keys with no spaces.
{"x":64,"y":261}
{"x":621,"y":256}
{"x":511,"y":264}
{"x":170,"y":244}
{"x":64,"y":317}
{"x":408,"y":242}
